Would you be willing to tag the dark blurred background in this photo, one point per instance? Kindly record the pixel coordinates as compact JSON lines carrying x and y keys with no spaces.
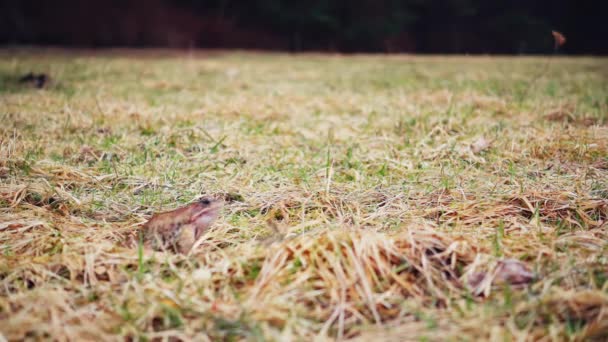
{"x":416,"y":26}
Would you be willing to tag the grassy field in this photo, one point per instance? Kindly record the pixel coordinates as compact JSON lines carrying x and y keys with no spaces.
{"x":367,"y":197}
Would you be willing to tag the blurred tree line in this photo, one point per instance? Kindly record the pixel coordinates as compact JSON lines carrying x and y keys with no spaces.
{"x":433,"y":26}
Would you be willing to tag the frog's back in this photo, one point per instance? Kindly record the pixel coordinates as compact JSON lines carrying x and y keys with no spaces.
{"x":161,"y":229}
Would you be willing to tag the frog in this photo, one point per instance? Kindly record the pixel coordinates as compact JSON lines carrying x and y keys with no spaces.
{"x":177,"y":230}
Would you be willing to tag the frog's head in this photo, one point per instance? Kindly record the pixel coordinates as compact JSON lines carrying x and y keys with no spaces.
{"x":203,"y":212}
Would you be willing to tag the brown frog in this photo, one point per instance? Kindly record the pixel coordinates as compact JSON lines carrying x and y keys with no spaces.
{"x":178,"y":230}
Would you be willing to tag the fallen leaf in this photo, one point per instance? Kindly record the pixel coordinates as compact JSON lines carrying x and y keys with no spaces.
{"x":480,"y":145}
{"x":201,"y":275}
{"x":559,"y":38}
{"x":36,"y":80}
{"x":512,"y":272}
{"x":100,"y":270}
{"x":560,"y":115}
{"x":505,"y":272}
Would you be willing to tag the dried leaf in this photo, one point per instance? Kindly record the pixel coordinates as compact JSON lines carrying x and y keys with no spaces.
{"x":560,"y":115}
{"x":35,"y":80}
{"x":506,"y":271}
{"x":559,"y":38}
{"x":480,"y":145}
{"x":513,"y":272}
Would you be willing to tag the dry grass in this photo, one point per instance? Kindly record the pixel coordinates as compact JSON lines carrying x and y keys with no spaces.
{"x":367,"y":197}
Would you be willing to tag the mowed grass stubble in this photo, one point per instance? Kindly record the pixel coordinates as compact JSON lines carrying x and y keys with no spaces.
{"x":363,"y":193}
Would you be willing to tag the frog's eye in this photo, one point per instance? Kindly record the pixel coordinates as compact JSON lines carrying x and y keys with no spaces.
{"x":205,"y":201}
